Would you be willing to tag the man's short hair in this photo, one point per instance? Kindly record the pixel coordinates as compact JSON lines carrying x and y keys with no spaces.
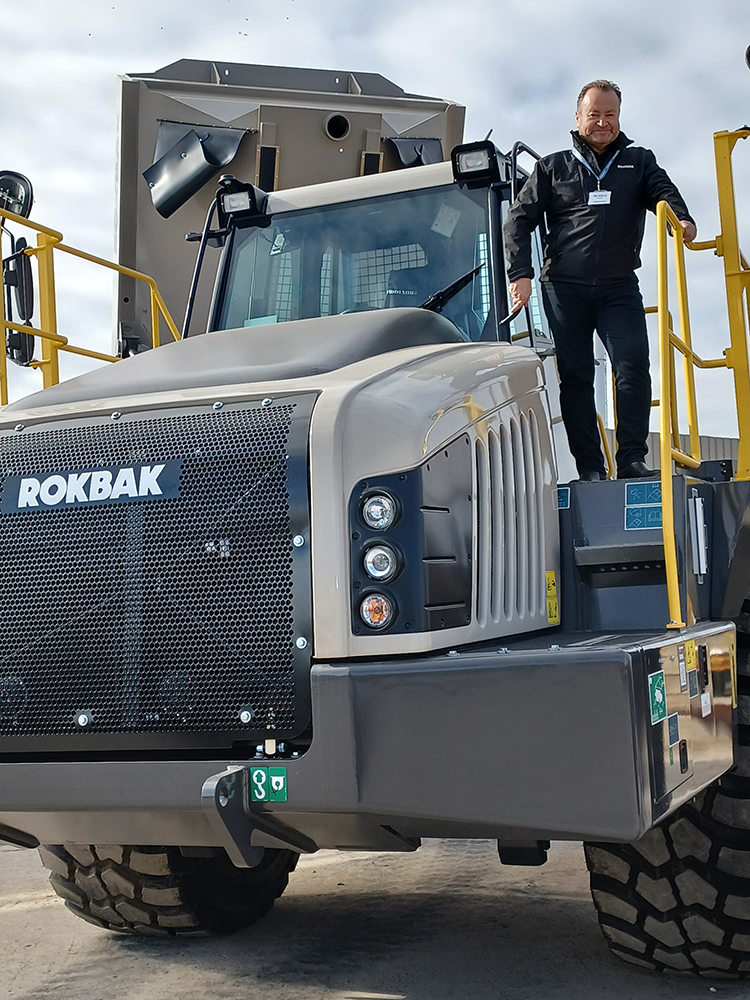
{"x":603,"y":85}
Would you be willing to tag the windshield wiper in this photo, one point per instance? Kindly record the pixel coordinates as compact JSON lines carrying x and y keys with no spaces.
{"x":438,"y":300}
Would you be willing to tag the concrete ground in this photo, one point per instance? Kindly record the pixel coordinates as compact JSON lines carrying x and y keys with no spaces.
{"x":446,"y":923}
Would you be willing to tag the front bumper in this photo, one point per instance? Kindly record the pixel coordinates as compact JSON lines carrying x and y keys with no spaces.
{"x":556,"y":738}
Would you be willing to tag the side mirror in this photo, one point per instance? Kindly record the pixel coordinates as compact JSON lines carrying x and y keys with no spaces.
{"x":16,"y":193}
{"x":19,"y":347}
{"x":22,"y":279}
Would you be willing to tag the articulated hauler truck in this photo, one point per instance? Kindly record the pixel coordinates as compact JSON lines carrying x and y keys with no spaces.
{"x":310,"y":579}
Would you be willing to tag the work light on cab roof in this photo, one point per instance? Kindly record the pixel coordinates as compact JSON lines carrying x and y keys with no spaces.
{"x":475,"y":164}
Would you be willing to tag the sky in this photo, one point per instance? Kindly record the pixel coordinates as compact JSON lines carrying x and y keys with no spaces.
{"x":516,"y":65}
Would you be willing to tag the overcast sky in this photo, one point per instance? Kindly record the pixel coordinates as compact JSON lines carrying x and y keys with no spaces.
{"x":516,"y":65}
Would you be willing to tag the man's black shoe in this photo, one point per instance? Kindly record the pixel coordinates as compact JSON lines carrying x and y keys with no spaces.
{"x":591,"y":477}
{"x":637,"y":470}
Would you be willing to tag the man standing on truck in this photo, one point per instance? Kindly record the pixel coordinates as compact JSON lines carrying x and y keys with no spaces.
{"x":594,"y":197}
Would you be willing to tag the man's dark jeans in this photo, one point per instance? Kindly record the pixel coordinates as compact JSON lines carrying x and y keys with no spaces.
{"x":615,"y":311}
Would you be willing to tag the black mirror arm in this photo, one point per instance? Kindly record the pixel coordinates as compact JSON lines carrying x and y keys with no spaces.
{"x":204,"y":238}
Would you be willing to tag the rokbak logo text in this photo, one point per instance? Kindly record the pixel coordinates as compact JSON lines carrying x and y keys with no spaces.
{"x":117,"y":484}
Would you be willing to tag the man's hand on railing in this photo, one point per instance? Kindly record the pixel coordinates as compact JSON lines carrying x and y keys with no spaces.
{"x":689,"y":231}
{"x":520,"y":293}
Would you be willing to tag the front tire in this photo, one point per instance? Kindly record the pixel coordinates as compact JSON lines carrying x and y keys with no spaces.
{"x":679,"y":899}
{"x":157,"y":891}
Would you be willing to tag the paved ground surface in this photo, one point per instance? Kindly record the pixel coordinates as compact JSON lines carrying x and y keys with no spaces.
{"x":446,"y":923}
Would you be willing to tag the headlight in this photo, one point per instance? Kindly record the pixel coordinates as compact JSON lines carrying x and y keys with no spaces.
{"x":379,"y":511}
{"x":377,"y":611}
{"x":236,"y":201}
{"x":381,"y":562}
{"x":474,"y":159}
{"x":475,"y":164}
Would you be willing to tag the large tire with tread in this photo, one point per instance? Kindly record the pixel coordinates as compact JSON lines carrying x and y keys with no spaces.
{"x":679,"y":899}
{"x":160,"y":892}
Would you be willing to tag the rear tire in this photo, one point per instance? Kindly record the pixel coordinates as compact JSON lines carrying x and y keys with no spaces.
{"x":157,"y":891}
{"x":679,"y":899}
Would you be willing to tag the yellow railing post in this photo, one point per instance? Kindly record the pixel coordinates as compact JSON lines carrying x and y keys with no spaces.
{"x":154,"y":317}
{"x":687,"y":339}
{"x":673,"y":407}
{"x":45,"y":244}
{"x":736,"y":282}
{"x":665,"y":420}
{"x":3,"y":336}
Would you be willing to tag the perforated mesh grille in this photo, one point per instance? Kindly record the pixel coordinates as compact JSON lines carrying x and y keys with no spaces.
{"x":161,"y":616}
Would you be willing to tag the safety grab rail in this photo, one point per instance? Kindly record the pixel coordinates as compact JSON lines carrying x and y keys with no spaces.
{"x":737,"y":278}
{"x":47,"y":241}
{"x":518,"y":147}
{"x":668,"y":226}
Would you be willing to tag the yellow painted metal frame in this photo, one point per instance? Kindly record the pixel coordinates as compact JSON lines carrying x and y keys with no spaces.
{"x":736,"y":357}
{"x":737,"y":281}
{"x":47,"y":241}
{"x":605,"y":447}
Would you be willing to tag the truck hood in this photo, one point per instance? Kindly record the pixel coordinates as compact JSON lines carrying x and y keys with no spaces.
{"x":299,"y":349}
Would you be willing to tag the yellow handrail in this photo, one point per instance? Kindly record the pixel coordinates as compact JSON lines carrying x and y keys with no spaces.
{"x":47,"y":241}
{"x":668,"y":226}
{"x":737,"y":281}
{"x":737,"y":278}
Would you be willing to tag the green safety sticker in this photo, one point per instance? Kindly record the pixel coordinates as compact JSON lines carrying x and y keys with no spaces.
{"x":268,"y":784}
{"x":657,"y":696}
{"x":277,"y":778}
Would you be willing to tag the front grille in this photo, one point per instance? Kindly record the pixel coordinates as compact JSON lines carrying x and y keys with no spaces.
{"x":160,"y":622}
{"x":511,"y":532}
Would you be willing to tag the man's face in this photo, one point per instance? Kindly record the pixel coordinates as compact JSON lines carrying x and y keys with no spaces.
{"x":598,"y":118}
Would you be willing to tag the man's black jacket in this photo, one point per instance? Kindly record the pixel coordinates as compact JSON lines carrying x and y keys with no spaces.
{"x":588,"y":243}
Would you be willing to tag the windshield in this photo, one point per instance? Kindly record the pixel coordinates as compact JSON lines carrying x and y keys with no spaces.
{"x":397,"y":250}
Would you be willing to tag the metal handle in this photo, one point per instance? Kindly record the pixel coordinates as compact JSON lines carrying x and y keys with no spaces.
{"x":518,"y":147}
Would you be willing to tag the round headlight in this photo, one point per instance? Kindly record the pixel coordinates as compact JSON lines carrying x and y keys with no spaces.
{"x":381,"y":562}
{"x":379,"y":511}
{"x":377,"y":610}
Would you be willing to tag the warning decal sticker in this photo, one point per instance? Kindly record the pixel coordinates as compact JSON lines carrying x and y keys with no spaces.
{"x":642,"y":506}
{"x":657,"y":696}
{"x":553,"y":607}
{"x":268,"y":784}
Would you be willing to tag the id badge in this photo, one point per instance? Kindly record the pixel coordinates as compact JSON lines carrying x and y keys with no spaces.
{"x":599,"y":197}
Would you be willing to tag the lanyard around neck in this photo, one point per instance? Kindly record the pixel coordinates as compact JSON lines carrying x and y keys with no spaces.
{"x":599,"y":177}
